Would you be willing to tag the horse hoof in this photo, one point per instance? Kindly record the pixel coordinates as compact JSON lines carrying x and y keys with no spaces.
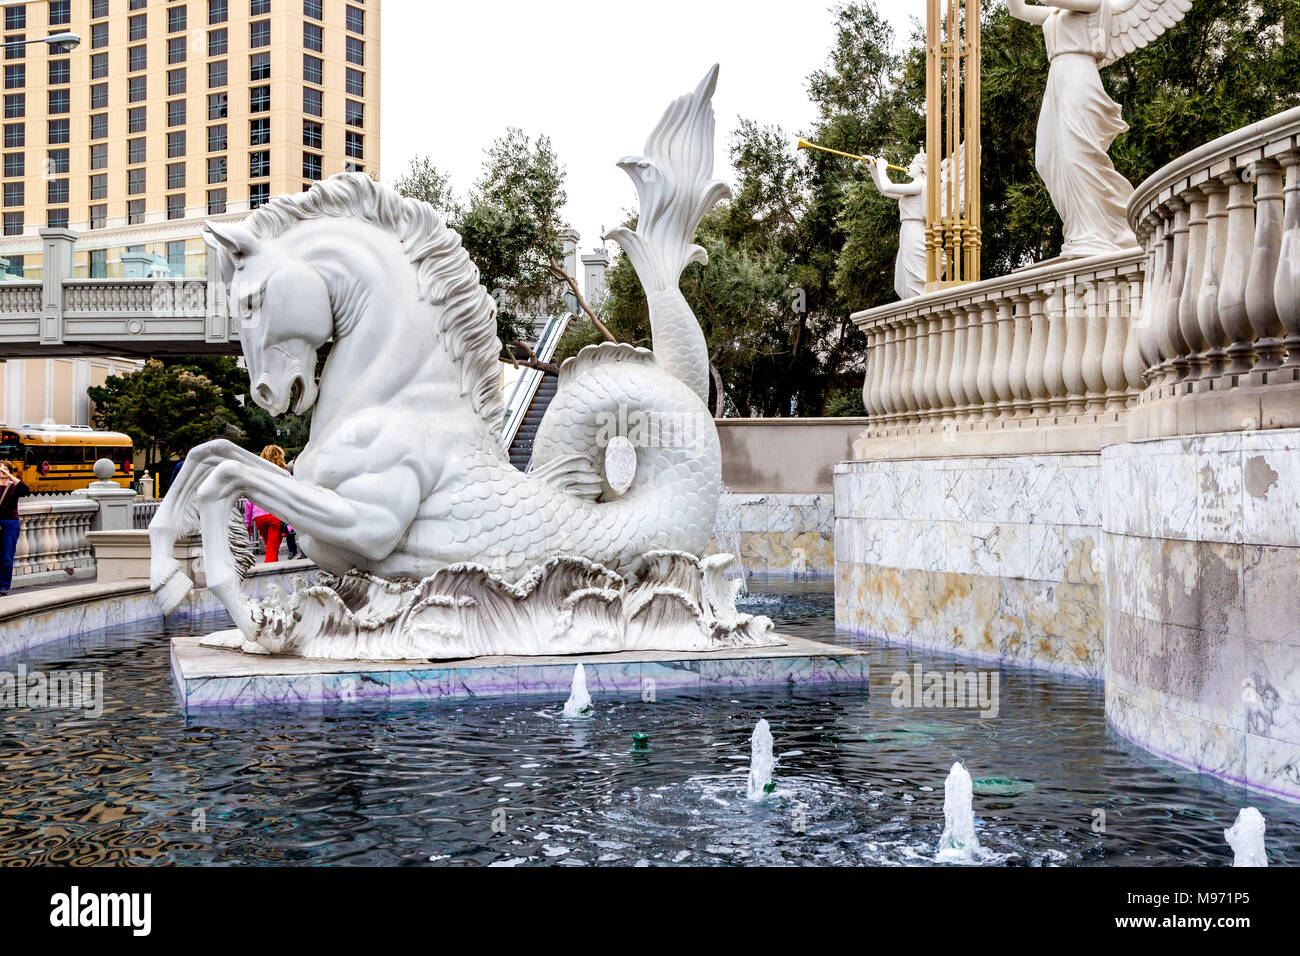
{"x":172,"y":591}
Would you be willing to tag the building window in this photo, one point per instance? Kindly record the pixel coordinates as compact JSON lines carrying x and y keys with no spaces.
{"x":217,"y":106}
{"x":15,"y":48}
{"x":99,"y":156}
{"x":99,"y":186}
{"x":259,"y":34}
{"x":354,"y":144}
{"x":99,"y":96}
{"x":56,"y":218}
{"x":218,"y":42}
{"x":135,"y":120}
{"x":217,"y":138}
{"x":14,"y":164}
{"x":176,"y":248}
{"x":98,"y":8}
{"x":14,"y":227}
{"x":259,"y":164}
{"x":356,"y":50}
{"x":136,"y":59}
{"x":57,"y":161}
{"x":176,"y":144}
{"x":135,"y":179}
{"x":311,"y":134}
{"x":311,"y":101}
{"x":176,"y":19}
{"x":176,"y":207}
{"x":217,"y":11}
{"x":356,"y":83}
{"x":175,"y":175}
{"x":16,"y":17}
{"x":177,"y":49}
{"x":60,"y":72}
{"x":56,"y":192}
{"x":15,"y":105}
{"x":311,"y":166}
{"x":98,"y":35}
{"x":313,"y":69}
{"x":216,"y":169}
{"x":216,"y":201}
{"x":259,"y":99}
{"x":98,"y":257}
{"x":259,"y":8}
{"x":356,"y":20}
{"x":60,"y":131}
{"x":354,"y":113}
{"x":313,"y":37}
{"x":60,"y":101}
{"x":176,"y":113}
{"x":259,"y":194}
{"x":60,"y":12}
{"x":135,"y":212}
{"x":136,"y":89}
{"x":216,"y":74}
{"x":98,"y":66}
{"x":137,"y":27}
{"x":259,"y":131}
{"x":15,"y":76}
{"x":176,"y":82}
{"x":14,"y":194}
{"x":312,"y":8}
{"x":15,"y":135}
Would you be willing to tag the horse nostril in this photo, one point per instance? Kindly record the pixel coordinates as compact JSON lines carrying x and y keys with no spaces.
{"x":264,"y":395}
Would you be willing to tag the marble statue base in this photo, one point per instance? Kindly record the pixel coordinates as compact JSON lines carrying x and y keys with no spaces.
{"x":208,"y":677}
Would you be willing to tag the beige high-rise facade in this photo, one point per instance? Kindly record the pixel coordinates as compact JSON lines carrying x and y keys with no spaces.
{"x":170,"y":113}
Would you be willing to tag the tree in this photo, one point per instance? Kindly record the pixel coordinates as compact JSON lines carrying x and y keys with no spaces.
{"x":165,"y":409}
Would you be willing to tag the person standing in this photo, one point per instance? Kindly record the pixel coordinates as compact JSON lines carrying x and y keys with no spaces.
{"x":11,"y":489}
{"x":268,"y":526}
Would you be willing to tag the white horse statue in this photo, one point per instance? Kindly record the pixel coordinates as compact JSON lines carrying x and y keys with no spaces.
{"x":432,"y":545}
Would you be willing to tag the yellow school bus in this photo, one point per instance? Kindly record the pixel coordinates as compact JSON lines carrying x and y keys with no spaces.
{"x":62,"y":457}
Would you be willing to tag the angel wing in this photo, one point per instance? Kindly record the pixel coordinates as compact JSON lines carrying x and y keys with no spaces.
{"x":1135,"y":23}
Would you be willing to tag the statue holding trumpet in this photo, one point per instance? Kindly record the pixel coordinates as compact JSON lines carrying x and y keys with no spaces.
{"x":909,"y":266}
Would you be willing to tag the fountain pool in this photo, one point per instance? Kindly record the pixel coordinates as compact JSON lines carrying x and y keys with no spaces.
{"x":505,"y":782}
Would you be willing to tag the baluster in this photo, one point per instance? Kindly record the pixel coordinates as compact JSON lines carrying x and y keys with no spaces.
{"x":1002,"y":363}
{"x":1236,"y":270}
{"x":930,"y":379}
{"x":1093,"y":380}
{"x":1146,"y":328}
{"x":898,"y":407}
{"x":1261,"y":307}
{"x":1207,"y":302}
{"x":970,"y":369}
{"x":956,"y":375}
{"x":1190,"y":295}
{"x":943,"y":370}
{"x":907,"y":381}
{"x":1054,"y":355}
{"x":1074,"y":349}
{"x":985,"y":359}
{"x":1022,"y":341}
{"x":873,"y":362}
{"x":1132,"y":305}
{"x":1037,"y":359}
{"x":1286,"y":287}
{"x":1172,"y":344}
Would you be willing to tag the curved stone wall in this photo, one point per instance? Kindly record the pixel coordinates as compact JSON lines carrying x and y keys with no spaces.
{"x":1202,"y":602}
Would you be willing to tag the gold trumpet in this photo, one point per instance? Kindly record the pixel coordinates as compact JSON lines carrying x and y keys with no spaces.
{"x":804,"y":144}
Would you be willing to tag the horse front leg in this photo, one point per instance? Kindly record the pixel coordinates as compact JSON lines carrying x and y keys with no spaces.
{"x":176,"y":516}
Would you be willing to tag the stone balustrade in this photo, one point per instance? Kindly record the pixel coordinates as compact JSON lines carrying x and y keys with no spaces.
{"x":53,"y":547}
{"x":1042,"y":360}
{"x":1220,"y":325}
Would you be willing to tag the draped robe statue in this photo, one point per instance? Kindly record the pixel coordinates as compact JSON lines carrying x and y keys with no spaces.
{"x":1079,"y":121}
{"x":909,"y":267}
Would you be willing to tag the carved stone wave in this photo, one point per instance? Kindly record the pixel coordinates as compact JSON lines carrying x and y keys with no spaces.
{"x":670,"y":600}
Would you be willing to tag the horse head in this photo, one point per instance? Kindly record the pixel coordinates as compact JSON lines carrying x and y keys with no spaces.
{"x":283,"y":308}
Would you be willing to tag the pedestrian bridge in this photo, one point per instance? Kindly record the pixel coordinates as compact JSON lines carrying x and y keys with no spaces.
{"x":121,"y":316}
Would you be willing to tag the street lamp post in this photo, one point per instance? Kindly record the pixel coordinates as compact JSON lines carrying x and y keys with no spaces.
{"x":58,"y":42}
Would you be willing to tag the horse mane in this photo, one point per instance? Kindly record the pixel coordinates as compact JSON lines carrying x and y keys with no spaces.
{"x":444,"y":273}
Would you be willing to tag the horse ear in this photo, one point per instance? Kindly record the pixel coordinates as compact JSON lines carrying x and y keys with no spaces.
{"x":234,"y":239}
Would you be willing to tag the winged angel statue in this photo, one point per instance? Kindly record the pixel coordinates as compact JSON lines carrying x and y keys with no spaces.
{"x":1079,"y":121}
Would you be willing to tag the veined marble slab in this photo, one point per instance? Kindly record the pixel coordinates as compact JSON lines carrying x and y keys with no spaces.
{"x":214,"y":677}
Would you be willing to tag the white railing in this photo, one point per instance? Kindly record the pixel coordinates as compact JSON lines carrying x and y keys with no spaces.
{"x":1046,"y":346}
{"x":53,"y":546}
{"x":1221,"y":229}
{"x":142,"y":512}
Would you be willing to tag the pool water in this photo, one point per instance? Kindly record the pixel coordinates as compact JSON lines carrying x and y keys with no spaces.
{"x":858,"y":781}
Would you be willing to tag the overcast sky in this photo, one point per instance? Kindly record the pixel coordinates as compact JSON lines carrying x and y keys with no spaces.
{"x":456,"y":74}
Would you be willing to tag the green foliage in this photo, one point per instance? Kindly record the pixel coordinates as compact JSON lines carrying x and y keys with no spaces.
{"x":166,"y":409}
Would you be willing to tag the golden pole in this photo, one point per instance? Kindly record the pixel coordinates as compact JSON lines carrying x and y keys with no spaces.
{"x":933,"y":239}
